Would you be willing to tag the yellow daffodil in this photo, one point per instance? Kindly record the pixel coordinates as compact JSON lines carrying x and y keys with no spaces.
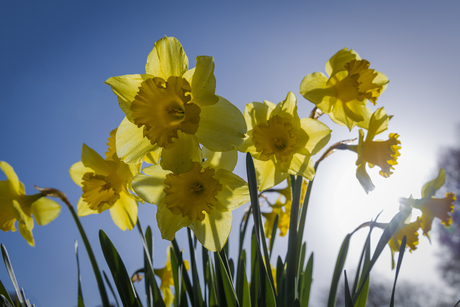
{"x":345,"y":93}
{"x":411,"y":232}
{"x":381,"y":153}
{"x":432,"y":207}
{"x":169,"y":99}
{"x":106,"y":184}
{"x":167,"y":280}
{"x":15,"y":205}
{"x":196,"y":189}
{"x":280,"y":142}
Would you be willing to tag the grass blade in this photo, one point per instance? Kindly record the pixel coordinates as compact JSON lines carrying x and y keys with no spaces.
{"x":338,"y":271}
{"x":306,"y":284}
{"x":348,"y":300}
{"x":398,"y":267}
{"x":110,"y":287}
{"x":5,"y":294}
{"x":81,"y":303}
{"x":198,"y":299}
{"x":229,"y":292}
{"x":9,"y":268}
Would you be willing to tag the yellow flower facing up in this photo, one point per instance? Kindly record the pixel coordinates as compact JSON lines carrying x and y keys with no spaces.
{"x":345,"y":93}
{"x":105,"y":184}
{"x":15,"y":205}
{"x":280,"y":142}
{"x":381,"y":153}
{"x":169,"y":99}
{"x":167,"y":280}
{"x":432,"y":207}
{"x":411,"y":232}
{"x":196,"y":189}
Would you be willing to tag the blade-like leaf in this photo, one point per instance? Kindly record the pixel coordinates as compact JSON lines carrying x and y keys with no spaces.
{"x":198,"y":299}
{"x":306,"y":284}
{"x":348,"y":300}
{"x":398,"y":267}
{"x":122,"y":280}
{"x":81,"y":303}
{"x":230,"y":295}
{"x":242,"y":286}
{"x":5,"y":293}
{"x":110,"y":287}
{"x":9,"y":268}
{"x":338,"y":271}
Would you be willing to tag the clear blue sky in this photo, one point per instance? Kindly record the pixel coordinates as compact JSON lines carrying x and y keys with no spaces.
{"x":56,"y":55}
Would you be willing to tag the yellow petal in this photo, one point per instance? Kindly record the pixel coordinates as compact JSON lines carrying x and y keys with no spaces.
{"x":256,"y":113}
{"x":364,"y":178}
{"x":126,"y":88}
{"x":318,"y":134}
{"x":132,"y":146}
{"x":314,"y":88}
{"x":168,"y":296}
{"x":302,"y":166}
{"x":268,"y":174}
{"x":214,"y":230}
{"x":287,"y":108}
{"x":217,"y":159}
{"x":169,"y":223}
{"x":337,"y":62}
{"x":25,"y":223}
{"x":222,"y":126}
{"x":179,"y":157}
{"x":150,"y":187}
{"x":167,"y":59}
{"x":45,"y":210}
{"x":234,"y":191}
{"x":124,"y":212}
{"x":12,"y":177}
{"x":340,"y":117}
{"x":83,"y":208}
{"x":430,"y":188}
{"x":77,"y":171}
{"x":204,"y":82}
{"x":91,"y":159}
{"x":377,"y":123}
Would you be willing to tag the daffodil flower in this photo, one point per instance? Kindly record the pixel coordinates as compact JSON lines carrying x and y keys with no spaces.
{"x":431,"y":206}
{"x":345,"y":93}
{"x":167,"y":280}
{"x":280,"y":142}
{"x":106,"y":184}
{"x":15,"y":205}
{"x":169,"y":99}
{"x":411,"y":232}
{"x":381,"y":153}
{"x":196,"y":190}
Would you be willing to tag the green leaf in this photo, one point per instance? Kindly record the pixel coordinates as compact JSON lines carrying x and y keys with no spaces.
{"x":338,"y":271}
{"x":9,"y":268}
{"x":5,"y":293}
{"x":122,"y":280}
{"x":230,"y":295}
{"x":4,"y":301}
{"x":81,"y":303}
{"x":306,"y":284}
{"x":242,"y":286}
{"x":348,"y":299}
{"x":273,"y":234}
{"x":280,"y":281}
{"x":185,"y":277}
{"x":398,"y":267}
{"x":198,"y":299}
{"x":110,"y":287}
{"x":366,"y":254}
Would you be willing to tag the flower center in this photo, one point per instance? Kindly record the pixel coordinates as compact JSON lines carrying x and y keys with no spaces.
{"x":277,"y":138}
{"x":162,"y":108}
{"x":100,"y":192}
{"x":358,"y":84}
{"x":382,"y":153}
{"x":191,"y":193}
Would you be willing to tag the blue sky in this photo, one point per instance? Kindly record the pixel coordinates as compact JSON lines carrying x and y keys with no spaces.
{"x":56,"y":55}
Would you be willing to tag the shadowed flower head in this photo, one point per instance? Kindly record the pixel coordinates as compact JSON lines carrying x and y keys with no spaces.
{"x":168,"y":99}
{"x":195,"y":189}
{"x":15,"y":205}
{"x":345,"y":93}
{"x":105,"y":184}
{"x":411,"y":233}
{"x":381,"y":153}
{"x":432,"y":207}
{"x":280,"y":142}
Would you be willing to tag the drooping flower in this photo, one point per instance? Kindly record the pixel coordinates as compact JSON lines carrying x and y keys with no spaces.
{"x":169,"y":99}
{"x":195,"y":189}
{"x":411,"y":232}
{"x":15,"y":205}
{"x":167,"y":280}
{"x":345,"y":93}
{"x":431,"y":206}
{"x":106,"y":184}
{"x":381,"y":153}
{"x":280,"y":142}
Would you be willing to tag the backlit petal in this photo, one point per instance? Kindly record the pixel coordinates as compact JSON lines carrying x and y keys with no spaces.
{"x":91,"y":159}
{"x":77,"y":171}
{"x":338,"y":61}
{"x":169,"y":223}
{"x":45,"y":210}
{"x":179,"y":157}
{"x":83,"y":208}
{"x":167,"y":59}
{"x":124,"y":212}
{"x":314,"y":88}
{"x":204,"y":82}
{"x":318,"y":134}
{"x":12,"y":177}
{"x":268,"y":174}
{"x":302,"y":165}
{"x":214,"y":230}
{"x":222,"y":126}
{"x":150,"y":187}
{"x":217,"y":159}
{"x":234,"y":192}
{"x":256,"y":113}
